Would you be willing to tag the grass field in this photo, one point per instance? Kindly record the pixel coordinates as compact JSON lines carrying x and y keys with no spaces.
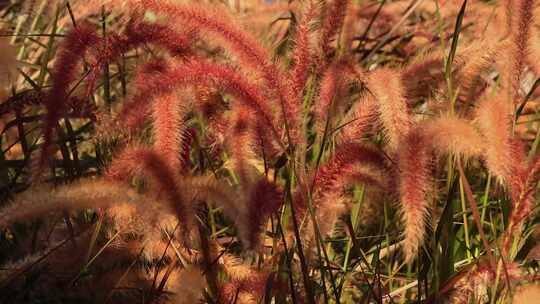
{"x":243,"y":151}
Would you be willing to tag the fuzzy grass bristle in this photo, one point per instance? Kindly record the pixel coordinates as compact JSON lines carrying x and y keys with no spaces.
{"x":265,"y":199}
{"x":347,"y":156}
{"x":389,"y":94}
{"x":302,"y":54}
{"x":276,"y":151}
{"x":362,"y":117}
{"x":245,"y":46}
{"x":334,"y":18}
{"x":63,"y":75}
{"x":327,"y":93}
{"x":240,"y":142}
{"x":85,"y":194}
{"x":414,"y":184}
{"x":493,"y":117}
{"x":196,"y":71}
{"x":454,"y":135}
{"x":141,"y":162}
{"x":520,"y":48}
{"x":168,"y":114}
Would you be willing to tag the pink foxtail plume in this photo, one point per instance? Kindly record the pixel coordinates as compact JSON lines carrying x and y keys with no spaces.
{"x":302,"y":54}
{"x":141,"y":161}
{"x":138,"y":33}
{"x":265,"y":199}
{"x":332,"y":24}
{"x":520,"y":47}
{"x":247,"y":49}
{"x":388,"y":91}
{"x":414,"y":184}
{"x":168,"y":125}
{"x":64,"y":72}
{"x":195,"y":71}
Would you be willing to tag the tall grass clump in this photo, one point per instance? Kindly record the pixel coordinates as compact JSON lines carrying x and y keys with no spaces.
{"x":246,"y":151}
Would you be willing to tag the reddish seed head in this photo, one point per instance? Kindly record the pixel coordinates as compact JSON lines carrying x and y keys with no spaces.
{"x":168,"y":113}
{"x":140,"y":161}
{"x":389,"y":94}
{"x":520,"y":47}
{"x":414,"y":184}
{"x":247,"y":49}
{"x":327,"y":93}
{"x":333,"y":21}
{"x":265,"y":199}
{"x":351,"y":163}
{"x":302,"y":54}
{"x":502,"y":154}
{"x":64,"y":72}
